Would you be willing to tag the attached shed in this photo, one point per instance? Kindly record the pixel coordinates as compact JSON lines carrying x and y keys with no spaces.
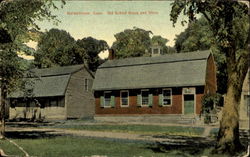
{"x":170,"y":84}
{"x":54,"y":93}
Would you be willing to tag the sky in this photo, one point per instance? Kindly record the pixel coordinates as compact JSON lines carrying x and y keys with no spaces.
{"x":103,"y":19}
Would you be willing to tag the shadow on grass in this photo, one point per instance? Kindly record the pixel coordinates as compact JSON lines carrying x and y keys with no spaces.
{"x":182,"y":145}
{"x":186,"y":146}
{"x":31,"y":134}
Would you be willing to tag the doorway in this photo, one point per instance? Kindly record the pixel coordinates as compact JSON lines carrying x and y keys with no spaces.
{"x":189,"y":104}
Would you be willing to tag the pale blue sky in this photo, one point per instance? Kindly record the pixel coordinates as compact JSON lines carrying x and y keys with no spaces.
{"x":105,"y":26}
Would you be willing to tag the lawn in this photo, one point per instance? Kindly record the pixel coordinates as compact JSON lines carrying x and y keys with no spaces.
{"x":69,"y":146}
{"x":143,"y":129}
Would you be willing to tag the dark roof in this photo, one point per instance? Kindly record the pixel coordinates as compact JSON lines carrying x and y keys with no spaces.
{"x":172,"y":70}
{"x":55,"y":71}
{"x":48,"y":82}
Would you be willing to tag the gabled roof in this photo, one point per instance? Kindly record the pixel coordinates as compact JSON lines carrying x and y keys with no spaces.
{"x":172,"y":70}
{"x":55,"y":71}
{"x":48,"y":82}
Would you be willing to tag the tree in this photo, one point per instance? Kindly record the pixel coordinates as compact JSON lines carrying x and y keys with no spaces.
{"x":137,"y":42}
{"x":88,"y":49}
{"x":199,"y":36}
{"x":222,"y":17}
{"x":17,"y":19}
{"x":132,"y":43}
{"x":55,"y":47}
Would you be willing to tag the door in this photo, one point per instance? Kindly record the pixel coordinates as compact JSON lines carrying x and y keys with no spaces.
{"x":188,"y":104}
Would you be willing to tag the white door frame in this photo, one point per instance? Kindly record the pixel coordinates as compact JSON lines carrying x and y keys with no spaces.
{"x":188,"y":91}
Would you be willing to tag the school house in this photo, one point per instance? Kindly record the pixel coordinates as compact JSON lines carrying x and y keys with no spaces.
{"x":171,"y":84}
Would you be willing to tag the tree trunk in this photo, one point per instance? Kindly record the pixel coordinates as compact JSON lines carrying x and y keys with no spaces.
{"x":228,"y":137}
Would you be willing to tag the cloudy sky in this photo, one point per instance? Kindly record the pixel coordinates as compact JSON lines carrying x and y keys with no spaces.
{"x":103,"y":19}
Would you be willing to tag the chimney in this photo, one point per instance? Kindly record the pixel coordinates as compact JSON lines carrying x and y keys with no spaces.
{"x":111,"y":54}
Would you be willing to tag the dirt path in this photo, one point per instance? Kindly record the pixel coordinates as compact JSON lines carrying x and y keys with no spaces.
{"x":87,"y":133}
{"x":148,"y":138}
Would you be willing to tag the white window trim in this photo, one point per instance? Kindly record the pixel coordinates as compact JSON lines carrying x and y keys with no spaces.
{"x":144,"y":105}
{"x":121,"y":98}
{"x":105,"y":101}
{"x":171,"y":98}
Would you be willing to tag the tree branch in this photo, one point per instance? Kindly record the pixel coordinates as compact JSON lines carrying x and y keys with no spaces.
{"x":243,"y":64}
{"x":206,"y":16}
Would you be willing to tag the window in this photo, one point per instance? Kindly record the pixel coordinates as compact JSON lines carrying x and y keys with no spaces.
{"x":86,"y":87}
{"x":107,"y":99}
{"x":155,"y":51}
{"x":166,"y":99}
{"x":53,"y":102}
{"x":124,"y":98}
{"x":145,"y":96}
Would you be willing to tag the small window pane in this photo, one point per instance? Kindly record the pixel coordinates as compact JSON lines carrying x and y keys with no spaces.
{"x":53,"y":102}
{"x":86,"y":84}
{"x":145,"y":97}
{"x":167,"y":96}
{"x":107,"y":99}
{"x":124,"y":98}
{"x":155,"y":51}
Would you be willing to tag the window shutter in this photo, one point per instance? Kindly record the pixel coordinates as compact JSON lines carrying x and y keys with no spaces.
{"x":150,"y":100}
{"x":112,"y":101}
{"x":160,"y":99}
{"x":102,"y":101}
{"x":139,"y":100}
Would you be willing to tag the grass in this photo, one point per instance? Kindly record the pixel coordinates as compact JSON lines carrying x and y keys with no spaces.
{"x":145,"y":129}
{"x":214,"y":132}
{"x":70,"y":146}
{"x":78,"y":147}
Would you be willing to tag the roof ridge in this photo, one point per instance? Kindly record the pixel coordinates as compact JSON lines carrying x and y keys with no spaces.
{"x":58,"y":71}
{"x":160,"y":62}
{"x":168,"y":58}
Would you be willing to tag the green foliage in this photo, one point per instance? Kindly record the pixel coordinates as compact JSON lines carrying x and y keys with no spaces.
{"x":137,"y":42}
{"x":57,"y":48}
{"x":198,"y":36}
{"x":17,"y":19}
{"x":209,"y":102}
{"x":132,"y":43}
{"x":88,"y":49}
{"x":54,"y":48}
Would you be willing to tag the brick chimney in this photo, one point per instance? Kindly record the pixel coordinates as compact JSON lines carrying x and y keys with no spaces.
{"x":111,"y":54}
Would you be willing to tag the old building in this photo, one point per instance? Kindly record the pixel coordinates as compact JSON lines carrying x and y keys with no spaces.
{"x":55,"y":93}
{"x":245,"y":102}
{"x":143,"y":87}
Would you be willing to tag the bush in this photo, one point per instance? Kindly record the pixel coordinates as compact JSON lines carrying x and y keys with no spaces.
{"x":209,"y":101}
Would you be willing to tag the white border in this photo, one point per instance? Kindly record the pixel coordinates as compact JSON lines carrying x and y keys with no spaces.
{"x":121,"y":98}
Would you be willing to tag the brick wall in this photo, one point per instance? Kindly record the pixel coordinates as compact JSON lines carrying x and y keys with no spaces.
{"x":133,"y":108}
